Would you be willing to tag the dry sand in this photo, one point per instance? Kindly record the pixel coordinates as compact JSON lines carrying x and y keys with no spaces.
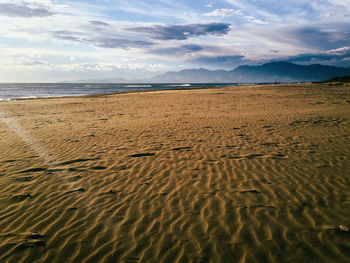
{"x":234,"y":174}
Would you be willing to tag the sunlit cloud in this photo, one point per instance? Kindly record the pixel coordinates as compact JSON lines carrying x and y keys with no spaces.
{"x":23,"y":10}
{"x":224,"y":12}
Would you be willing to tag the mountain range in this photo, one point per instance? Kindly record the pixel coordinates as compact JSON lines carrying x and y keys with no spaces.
{"x":266,"y":73}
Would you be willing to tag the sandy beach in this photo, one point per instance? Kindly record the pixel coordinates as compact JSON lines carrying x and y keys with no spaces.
{"x":233,"y":174}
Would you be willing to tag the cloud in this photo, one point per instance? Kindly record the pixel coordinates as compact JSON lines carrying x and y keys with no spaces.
{"x":227,"y":12}
{"x":67,"y":35}
{"x":106,"y":42}
{"x":325,"y":37}
{"x":339,"y":51}
{"x":255,"y":20}
{"x":339,"y":57}
{"x":34,"y":63}
{"x":102,"y":42}
{"x":178,"y":51}
{"x":224,"y":12}
{"x":98,"y":23}
{"x":228,"y":62}
{"x":182,"y":32}
{"x":30,"y":63}
{"x":23,"y":10}
{"x":293,"y":11}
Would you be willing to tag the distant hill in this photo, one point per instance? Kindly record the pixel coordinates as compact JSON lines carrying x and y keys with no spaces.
{"x":266,"y":73}
{"x":269,"y":72}
{"x":194,"y":76}
{"x":345,"y":79}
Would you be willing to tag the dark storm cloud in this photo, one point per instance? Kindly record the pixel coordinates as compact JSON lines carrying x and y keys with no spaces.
{"x":23,"y":10}
{"x":176,"y":51}
{"x":182,"y":32}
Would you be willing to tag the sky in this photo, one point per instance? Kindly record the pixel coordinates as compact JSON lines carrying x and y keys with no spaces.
{"x":59,"y":40}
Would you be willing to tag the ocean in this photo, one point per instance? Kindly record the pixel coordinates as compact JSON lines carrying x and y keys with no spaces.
{"x":41,"y":90}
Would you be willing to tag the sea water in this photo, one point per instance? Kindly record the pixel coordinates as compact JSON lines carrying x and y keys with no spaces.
{"x":42,"y":90}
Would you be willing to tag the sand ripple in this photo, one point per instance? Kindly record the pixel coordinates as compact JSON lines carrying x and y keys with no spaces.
{"x":242,"y":174}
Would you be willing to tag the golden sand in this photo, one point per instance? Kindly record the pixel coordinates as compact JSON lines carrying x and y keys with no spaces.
{"x":234,"y":174}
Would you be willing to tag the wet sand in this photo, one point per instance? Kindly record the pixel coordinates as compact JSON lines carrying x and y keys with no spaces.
{"x":234,"y":174}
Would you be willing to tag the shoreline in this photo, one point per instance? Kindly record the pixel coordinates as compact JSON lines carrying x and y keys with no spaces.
{"x":112,"y":93}
{"x":116,"y":93}
{"x":158,"y":90}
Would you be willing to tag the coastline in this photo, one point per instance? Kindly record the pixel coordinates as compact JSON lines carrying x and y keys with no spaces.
{"x":242,"y":173}
{"x":192,"y":86}
{"x":100,"y":89}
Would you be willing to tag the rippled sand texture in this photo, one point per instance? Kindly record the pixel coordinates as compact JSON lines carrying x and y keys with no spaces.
{"x":241,"y":174}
